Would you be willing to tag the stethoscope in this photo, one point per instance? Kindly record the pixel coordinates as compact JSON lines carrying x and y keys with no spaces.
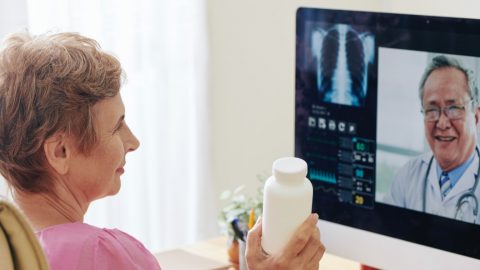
{"x":464,"y":200}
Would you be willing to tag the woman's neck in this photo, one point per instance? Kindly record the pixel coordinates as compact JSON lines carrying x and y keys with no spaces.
{"x":48,"y":209}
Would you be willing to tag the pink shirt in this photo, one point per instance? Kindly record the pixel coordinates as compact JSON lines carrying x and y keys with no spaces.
{"x":84,"y":247}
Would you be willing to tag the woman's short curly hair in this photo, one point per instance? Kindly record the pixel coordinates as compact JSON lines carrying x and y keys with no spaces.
{"x":48,"y":84}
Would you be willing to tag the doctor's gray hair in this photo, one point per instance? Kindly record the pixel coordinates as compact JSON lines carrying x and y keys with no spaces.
{"x":443,"y":61}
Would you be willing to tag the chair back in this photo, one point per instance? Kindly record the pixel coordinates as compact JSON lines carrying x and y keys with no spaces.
{"x":19,"y":247}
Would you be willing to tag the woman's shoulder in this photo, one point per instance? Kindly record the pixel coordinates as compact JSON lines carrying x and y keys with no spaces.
{"x":67,"y":235}
{"x":82,"y":246}
{"x":79,"y":234}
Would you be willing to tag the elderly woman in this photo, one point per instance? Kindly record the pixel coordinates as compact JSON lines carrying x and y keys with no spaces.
{"x":63,"y":142}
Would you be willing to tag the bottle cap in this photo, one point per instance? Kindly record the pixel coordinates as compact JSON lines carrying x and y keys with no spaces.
{"x":289,"y":169}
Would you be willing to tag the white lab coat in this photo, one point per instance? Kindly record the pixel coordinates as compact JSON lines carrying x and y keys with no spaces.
{"x":407,"y":189}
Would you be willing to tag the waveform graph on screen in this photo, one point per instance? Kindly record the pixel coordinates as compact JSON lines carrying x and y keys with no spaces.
{"x":322,"y":175}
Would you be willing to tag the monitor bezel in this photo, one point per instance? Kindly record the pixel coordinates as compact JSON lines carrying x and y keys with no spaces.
{"x":422,"y":23}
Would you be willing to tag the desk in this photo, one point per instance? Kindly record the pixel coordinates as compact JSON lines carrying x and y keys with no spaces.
{"x":212,"y":254}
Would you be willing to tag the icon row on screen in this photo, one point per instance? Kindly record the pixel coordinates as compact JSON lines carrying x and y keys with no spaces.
{"x":332,"y":125}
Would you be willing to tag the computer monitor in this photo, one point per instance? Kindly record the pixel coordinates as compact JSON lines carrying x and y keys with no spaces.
{"x":358,"y":124}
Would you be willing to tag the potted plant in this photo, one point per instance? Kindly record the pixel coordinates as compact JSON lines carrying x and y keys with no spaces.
{"x":242,"y":209}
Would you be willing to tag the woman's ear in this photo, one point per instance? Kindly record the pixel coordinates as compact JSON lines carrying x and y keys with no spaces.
{"x":57,"y":152}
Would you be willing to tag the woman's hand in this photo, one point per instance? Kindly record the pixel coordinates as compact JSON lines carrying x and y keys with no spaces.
{"x":303,"y":251}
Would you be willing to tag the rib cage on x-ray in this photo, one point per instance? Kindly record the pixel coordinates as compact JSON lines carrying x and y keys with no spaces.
{"x":342,"y":58}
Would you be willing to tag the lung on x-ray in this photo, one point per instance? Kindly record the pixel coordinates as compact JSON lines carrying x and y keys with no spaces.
{"x":341,"y":56}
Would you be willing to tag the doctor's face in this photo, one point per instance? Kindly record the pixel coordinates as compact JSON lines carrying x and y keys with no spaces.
{"x":452,"y":140}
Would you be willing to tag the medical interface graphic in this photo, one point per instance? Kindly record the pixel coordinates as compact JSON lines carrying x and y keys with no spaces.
{"x":333,"y":64}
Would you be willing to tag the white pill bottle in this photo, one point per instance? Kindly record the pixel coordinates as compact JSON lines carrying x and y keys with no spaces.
{"x":287,"y":202}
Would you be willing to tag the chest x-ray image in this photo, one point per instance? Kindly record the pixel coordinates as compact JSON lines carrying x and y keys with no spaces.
{"x":342,"y":56}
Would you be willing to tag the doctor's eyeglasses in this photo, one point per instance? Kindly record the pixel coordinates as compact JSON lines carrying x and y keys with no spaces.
{"x":453,"y":112}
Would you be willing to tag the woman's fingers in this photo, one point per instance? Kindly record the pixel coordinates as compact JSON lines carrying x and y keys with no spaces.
{"x":301,"y":236}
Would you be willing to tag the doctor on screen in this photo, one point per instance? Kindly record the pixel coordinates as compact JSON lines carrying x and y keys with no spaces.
{"x":445,"y":181}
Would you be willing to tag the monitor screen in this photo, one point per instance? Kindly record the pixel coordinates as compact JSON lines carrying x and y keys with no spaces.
{"x":386,"y":119}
